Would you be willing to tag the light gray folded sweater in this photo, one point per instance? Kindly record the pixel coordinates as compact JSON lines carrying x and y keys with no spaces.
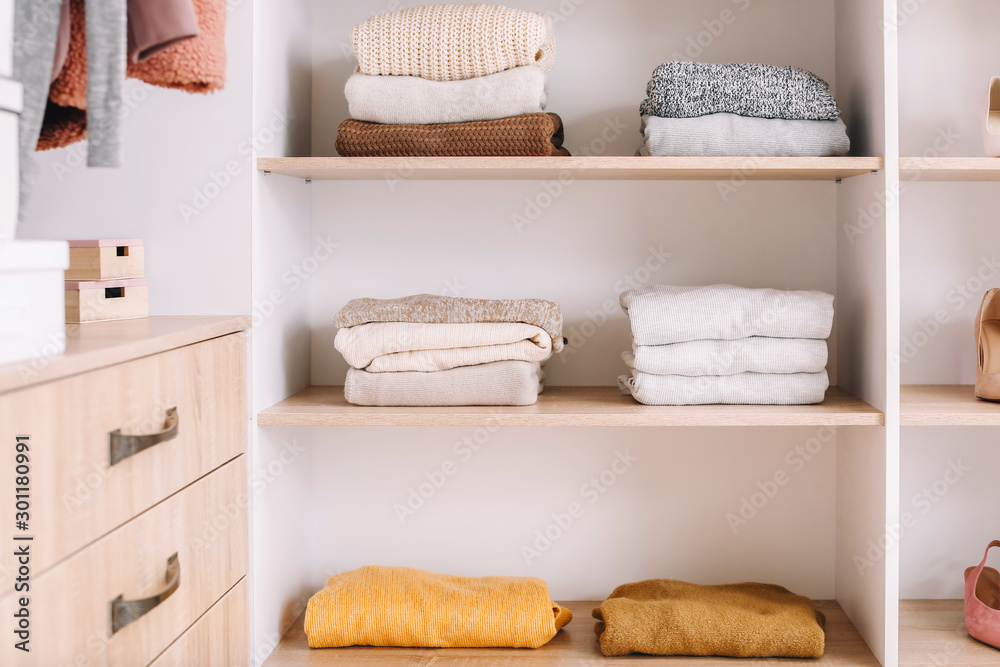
{"x":403,"y":100}
{"x":684,"y":90}
{"x":726,"y":134}
{"x":740,"y":389}
{"x":662,"y":314}
{"x":729,"y":357}
{"x":497,"y":383}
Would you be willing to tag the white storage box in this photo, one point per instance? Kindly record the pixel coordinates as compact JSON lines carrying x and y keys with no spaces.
{"x":32,"y":316}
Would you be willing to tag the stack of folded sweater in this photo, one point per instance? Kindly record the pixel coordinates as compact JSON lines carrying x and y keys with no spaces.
{"x":727,"y":345}
{"x":699,"y":109}
{"x":451,"y":80}
{"x":666,"y":617}
{"x":401,"y":606}
{"x":430,"y":350}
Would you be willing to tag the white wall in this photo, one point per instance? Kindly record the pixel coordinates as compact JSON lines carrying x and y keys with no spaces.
{"x":177,"y":148}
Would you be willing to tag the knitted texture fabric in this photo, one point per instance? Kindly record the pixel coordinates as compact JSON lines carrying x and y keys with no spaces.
{"x":536,"y":134}
{"x":729,"y":357}
{"x":433,"y":309}
{"x":404,"y":100}
{"x":662,"y":314}
{"x":724,"y":134}
{"x":684,"y":90}
{"x":381,"y":347}
{"x":399,"y":606}
{"x":739,"y":389}
{"x":497,"y":383}
{"x":453,"y":42}
{"x":665,"y":617}
{"x":196,"y":65}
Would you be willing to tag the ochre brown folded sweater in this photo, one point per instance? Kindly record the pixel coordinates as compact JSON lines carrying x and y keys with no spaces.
{"x":533,"y":134}
{"x":433,"y":309}
{"x":665,"y":617}
{"x":400,"y":606}
{"x":196,"y":65}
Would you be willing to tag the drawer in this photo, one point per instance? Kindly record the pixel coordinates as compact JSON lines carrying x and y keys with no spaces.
{"x":70,"y":611}
{"x":77,"y":495}
{"x":220,"y":638}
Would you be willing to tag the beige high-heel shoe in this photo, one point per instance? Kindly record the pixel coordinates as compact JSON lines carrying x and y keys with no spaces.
{"x":988,"y":347}
{"x":991,"y":120}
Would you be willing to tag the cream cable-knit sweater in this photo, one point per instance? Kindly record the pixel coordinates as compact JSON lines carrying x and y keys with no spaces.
{"x":453,"y":42}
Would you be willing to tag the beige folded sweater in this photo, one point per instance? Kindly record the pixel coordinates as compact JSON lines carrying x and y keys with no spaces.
{"x":432,"y":309}
{"x":498,"y":383}
{"x":453,"y":42}
{"x":381,"y":347}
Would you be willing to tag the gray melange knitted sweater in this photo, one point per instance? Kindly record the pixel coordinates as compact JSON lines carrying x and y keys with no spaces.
{"x":686,"y":90}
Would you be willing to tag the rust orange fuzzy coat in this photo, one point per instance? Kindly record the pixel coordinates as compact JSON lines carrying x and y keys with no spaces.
{"x":196,"y":65}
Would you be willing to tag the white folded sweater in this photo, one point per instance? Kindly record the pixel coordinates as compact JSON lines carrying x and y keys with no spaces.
{"x":498,"y":383}
{"x":729,"y":357}
{"x":402,"y":100}
{"x":739,"y":389}
{"x":726,"y":134}
{"x":381,"y":347}
{"x":661,"y":314}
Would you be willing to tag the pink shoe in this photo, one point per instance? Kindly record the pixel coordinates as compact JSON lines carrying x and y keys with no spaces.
{"x":982,"y":601}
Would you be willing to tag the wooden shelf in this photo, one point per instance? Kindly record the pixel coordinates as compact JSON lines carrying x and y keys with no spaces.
{"x":933,"y":632}
{"x":568,"y":406}
{"x":571,"y":168}
{"x":98,"y":344}
{"x":949,"y":169}
{"x":576,"y":644}
{"x":945,"y":405}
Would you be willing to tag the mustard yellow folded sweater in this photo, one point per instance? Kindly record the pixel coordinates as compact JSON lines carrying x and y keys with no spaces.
{"x":400,"y":606}
{"x":665,"y":617}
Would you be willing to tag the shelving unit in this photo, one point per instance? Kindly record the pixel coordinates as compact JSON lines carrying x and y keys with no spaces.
{"x":572,"y":168}
{"x":956,"y":169}
{"x":933,"y":631}
{"x":576,"y":644}
{"x":946,"y":405}
{"x":568,"y":406}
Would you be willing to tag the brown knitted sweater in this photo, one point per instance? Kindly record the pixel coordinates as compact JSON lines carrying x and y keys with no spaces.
{"x":533,"y":134}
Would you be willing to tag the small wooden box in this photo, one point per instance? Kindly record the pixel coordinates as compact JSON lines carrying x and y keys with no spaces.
{"x":106,"y":259}
{"x":97,"y":301}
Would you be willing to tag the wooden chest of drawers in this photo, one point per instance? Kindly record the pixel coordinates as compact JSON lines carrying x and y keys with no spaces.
{"x":137,"y":496}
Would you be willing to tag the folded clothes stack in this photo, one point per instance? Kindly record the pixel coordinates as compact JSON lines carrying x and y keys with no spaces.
{"x":427,"y":350}
{"x":727,"y":345}
{"x":451,"y":80}
{"x":400,"y":606}
{"x":745,"y":109}
{"x":666,"y":617}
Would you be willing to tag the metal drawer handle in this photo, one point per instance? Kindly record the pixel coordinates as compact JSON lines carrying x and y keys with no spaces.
{"x":124,"y":612}
{"x":124,"y":446}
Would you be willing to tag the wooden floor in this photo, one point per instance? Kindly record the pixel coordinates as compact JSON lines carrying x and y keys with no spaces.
{"x":932,"y":632}
{"x":575,"y":646}
{"x":946,"y":405}
{"x":568,"y":406}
